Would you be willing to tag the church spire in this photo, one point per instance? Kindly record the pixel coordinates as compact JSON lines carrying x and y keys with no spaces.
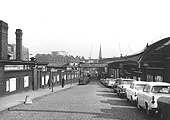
{"x":100,"y":53}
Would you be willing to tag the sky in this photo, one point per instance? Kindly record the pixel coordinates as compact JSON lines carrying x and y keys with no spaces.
{"x":79,"y":27}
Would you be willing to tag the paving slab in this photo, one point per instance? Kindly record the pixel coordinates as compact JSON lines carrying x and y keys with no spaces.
{"x":9,"y":101}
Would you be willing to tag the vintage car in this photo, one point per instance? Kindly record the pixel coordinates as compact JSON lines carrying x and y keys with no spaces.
{"x":103,"y":81}
{"x":147,"y":98}
{"x":84,"y":80}
{"x":117,"y":82}
{"x":131,"y":92}
{"x":164,"y":108}
{"x":122,"y":84}
{"x":110,"y":82}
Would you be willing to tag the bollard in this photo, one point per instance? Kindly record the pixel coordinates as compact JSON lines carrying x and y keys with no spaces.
{"x":28,"y":100}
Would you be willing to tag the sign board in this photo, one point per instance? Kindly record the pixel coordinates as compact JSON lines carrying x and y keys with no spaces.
{"x":26,"y":81}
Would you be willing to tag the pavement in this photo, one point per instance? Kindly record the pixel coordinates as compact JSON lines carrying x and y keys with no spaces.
{"x":10,"y":101}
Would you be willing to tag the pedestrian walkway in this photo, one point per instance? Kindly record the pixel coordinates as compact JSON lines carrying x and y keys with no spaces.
{"x":19,"y":98}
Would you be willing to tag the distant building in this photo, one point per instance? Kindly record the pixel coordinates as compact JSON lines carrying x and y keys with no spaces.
{"x":55,"y":53}
{"x":12,"y":52}
{"x":55,"y":58}
{"x":100,"y":53}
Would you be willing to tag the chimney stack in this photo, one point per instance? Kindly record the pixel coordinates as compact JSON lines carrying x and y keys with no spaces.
{"x":3,"y":40}
{"x":18,"y":44}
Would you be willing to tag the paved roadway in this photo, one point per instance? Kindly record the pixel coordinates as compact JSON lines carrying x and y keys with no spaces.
{"x":83,"y":102}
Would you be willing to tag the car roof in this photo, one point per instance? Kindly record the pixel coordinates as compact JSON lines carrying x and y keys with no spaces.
{"x":158,"y":83}
{"x":129,"y":79}
{"x":139,"y":82}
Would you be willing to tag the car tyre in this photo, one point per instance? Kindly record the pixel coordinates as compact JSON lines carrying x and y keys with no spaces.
{"x":148,"y":111}
{"x":132,"y":102}
{"x":137,"y":104}
{"x":127,"y":99}
{"x":119,"y":93}
{"x":161,"y":115}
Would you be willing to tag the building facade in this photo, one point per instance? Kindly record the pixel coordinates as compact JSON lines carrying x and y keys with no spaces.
{"x":53,"y":58}
{"x":12,"y":52}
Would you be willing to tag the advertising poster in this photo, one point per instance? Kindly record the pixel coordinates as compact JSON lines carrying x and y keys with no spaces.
{"x":26,"y":81}
{"x":42,"y":80}
{"x":12,"y":84}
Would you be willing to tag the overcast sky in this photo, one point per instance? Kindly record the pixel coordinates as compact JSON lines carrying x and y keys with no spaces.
{"x":79,"y":27}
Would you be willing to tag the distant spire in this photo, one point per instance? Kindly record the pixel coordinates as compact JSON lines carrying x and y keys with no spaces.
{"x":100,"y":53}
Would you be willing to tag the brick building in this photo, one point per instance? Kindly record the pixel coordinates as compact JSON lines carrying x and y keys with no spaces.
{"x":12,"y":52}
{"x":51,"y":58}
{"x":18,"y":74}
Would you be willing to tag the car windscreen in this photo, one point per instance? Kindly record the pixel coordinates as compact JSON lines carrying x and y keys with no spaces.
{"x":139,"y":86}
{"x":126,"y":82}
{"x":161,"y":89}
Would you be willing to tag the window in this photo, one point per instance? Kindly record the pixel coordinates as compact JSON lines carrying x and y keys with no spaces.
{"x":161,"y":89}
{"x":148,"y":88}
{"x":132,"y":86}
{"x":145,"y":88}
{"x":139,"y":86}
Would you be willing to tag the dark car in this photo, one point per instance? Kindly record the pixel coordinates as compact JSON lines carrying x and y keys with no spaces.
{"x":164,"y":108}
{"x":84,"y":80}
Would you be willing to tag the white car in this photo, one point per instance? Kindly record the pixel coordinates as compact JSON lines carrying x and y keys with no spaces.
{"x":147,"y":98}
{"x":131,"y":92}
{"x":110,"y":82}
{"x":122,"y":85}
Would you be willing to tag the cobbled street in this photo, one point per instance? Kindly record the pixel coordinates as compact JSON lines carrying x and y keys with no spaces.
{"x":83,"y":102}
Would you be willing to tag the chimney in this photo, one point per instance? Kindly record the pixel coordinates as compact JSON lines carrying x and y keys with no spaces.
{"x":18,"y":44}
{"x":3,"y":40}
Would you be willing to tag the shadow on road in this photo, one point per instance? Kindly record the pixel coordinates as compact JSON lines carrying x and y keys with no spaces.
{"x":116,"y":101}
{"x":106,"y":91}
{"x":115,"y":113}
{"x":106,"y":95}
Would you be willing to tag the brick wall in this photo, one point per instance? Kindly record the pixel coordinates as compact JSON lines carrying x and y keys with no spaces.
{"x":19,"y":75}
{"x":3,"y":40}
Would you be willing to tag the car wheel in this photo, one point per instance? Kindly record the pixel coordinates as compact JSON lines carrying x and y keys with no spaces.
{"x":132,"y":101}
{"x":137,"y":104}
{"x":161,"y":115}
{"x":119,"y":93}
{"x":148,"y":111}
{"x":127,"y":99}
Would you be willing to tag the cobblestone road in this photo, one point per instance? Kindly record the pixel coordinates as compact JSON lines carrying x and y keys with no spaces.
{"x":84,"y":102}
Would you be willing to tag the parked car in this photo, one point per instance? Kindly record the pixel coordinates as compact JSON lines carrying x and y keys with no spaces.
{"x":110,"y":82}
{"x":147,"y":98}
{"x":131,"y":92}
{"x":103,"y":81}
{"x":84,"y":80}
{"x":164,"y":108}
{"x":122,"y":84}
{"x":117,"y":82}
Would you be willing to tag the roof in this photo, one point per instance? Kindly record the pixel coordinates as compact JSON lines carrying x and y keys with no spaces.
{"x":126,"y":79}
{"x":158,"y":83}
{"x":139,"y":82}
{"x":57,"y":64}
{"x":15,"y":62}
{"x":133,"y":58}
{"x":160,"y":47}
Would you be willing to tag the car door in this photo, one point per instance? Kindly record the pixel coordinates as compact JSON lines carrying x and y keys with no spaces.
{"x":143,"y":95}
{"x":132,"y":91}
{"x":128,"y":91}
{"x":146,"y":96}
